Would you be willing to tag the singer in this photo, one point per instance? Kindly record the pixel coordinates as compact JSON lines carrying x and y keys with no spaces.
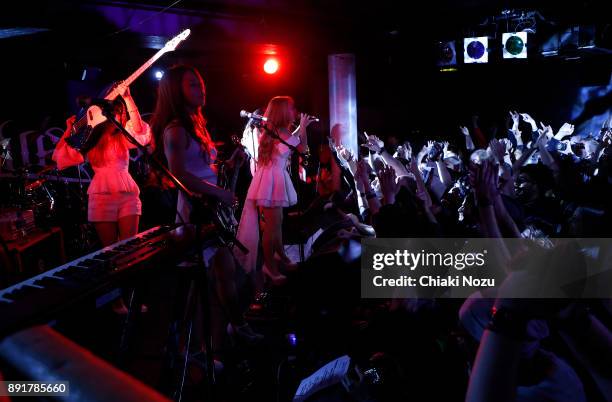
{"x":271,"y":188}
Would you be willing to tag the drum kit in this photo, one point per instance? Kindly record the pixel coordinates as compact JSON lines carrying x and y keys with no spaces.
{"x":54,"y":199}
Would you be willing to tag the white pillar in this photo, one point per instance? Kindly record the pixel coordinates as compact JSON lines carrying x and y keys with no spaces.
{"x":343,"y":100}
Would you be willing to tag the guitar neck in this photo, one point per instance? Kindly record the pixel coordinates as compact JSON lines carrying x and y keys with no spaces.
{"x":234,"y":180}
{"x":129,"y":80}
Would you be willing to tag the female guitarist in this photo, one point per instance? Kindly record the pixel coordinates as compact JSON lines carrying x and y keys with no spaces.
{"x":182,"y":140}
{"x":114,"y":205}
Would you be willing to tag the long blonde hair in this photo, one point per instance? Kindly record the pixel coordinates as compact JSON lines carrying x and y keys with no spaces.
{"x":278,"y":115}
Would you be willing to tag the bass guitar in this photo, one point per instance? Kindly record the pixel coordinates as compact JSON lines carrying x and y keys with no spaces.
{"x":227,"y":179}
{"x":83,"y":136}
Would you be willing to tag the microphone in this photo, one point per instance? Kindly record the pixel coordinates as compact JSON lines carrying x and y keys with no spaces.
{"x":253,"y":116}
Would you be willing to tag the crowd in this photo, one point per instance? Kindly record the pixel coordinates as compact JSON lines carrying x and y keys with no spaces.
{"x":531,"y":183}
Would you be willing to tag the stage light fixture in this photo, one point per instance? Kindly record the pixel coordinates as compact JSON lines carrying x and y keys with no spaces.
{"x":447,"y":55}
{"x":476,"y":50}
{"x":514,"y":45}
{"x":271,"y":66}
{"x":159,"y":75}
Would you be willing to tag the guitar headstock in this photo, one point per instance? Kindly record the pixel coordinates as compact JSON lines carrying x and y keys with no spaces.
{"x":174,"y":42}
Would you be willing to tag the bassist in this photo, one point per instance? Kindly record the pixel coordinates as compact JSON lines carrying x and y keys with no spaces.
{"x":114,"y":205}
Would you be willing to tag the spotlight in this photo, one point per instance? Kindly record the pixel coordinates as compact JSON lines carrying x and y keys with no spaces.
{"x":476,"y":50}
{"x":271,"y":66}
{"x":515,"y":45}
{"x":159,"y":75}
{"x":447,"y":56}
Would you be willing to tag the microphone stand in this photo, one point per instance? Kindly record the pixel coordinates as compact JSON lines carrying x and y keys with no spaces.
{"x":197,"y":216}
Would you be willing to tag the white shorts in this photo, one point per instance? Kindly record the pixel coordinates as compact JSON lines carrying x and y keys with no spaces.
{"x":111,"y":207}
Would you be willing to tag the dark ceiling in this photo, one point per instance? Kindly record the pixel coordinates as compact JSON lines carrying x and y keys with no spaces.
{"x":231,"y":36}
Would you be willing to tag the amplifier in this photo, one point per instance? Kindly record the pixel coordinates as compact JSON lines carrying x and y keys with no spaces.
{"x":35,"y":253}
{"x":15,"y":224}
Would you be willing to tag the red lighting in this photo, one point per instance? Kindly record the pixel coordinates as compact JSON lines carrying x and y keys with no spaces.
{"x":271,"y":66}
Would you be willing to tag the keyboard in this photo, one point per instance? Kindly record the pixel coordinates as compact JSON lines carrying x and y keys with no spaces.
{"x":97,"y":274}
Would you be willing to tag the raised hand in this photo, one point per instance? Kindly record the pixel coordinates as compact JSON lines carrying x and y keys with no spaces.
{"x":123,"y":90}
{"x":373,"y":143}
{"x":388,"y":184}
{"x":565,"y":130}
{"x":506,"y":143}
{"x":361,"y":174}
{"x":345,"y":153}
{"x":529,"y":120}
{"x":498,"y":150}
{"x":484,"y":181}
{"x":413,"y":166}
{"x":547,"y":130}
{"x":446,"y":153}
{"x":515,"y":120}
{"x":305,"y":120}
{"x":403,"y":151}
{"x":464,"y":130}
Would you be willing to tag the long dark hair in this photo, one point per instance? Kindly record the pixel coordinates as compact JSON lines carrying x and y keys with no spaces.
{"x":171,"y":108}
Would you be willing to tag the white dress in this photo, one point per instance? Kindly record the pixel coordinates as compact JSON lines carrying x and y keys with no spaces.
{"x":271,"y":187}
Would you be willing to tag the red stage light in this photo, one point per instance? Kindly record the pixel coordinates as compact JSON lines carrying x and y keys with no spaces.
{"x":271,"y":66}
